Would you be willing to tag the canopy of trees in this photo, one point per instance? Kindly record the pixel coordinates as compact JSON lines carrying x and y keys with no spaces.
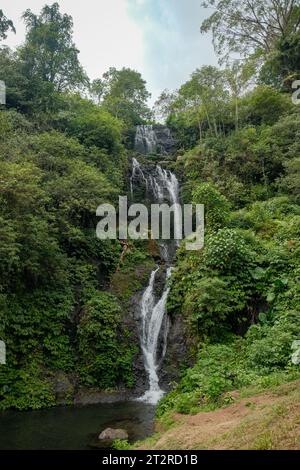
{"x":124,"y":94}
{"x":243,"y":26}
{"x":64,"y":295}
{"x":49,"y":53}
{"x":5,"y":26}
{"x":239,"y":139}
{"x":61,"y":156}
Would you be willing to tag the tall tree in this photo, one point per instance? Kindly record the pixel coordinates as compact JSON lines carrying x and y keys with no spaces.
{"x":165,"y":105}
{"x":247,"y":26}
{"x":49,"y":53}
{"x":97,"y":88}
{"x":283,"y":65}
{"x":18,"y":88}
{"x":238,"y":77}
{"x":205,"y":95}
{"x":125,"y":95}
{"x":5,"y":26}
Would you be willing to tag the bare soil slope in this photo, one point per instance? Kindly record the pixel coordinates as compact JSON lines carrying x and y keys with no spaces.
{"x":266,"y":421}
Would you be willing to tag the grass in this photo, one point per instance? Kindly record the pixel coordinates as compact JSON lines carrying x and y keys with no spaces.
{"x":271,"y":427}
{"x":268,"y":420}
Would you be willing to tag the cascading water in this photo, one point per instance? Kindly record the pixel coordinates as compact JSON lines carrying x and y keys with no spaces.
{"x":164,"y":187}
{"x":154,"y":139}
{"x":170,"y":183}
{"x":136,"y":172}
{"x":145,"y":139}
{"x":152,"y":322}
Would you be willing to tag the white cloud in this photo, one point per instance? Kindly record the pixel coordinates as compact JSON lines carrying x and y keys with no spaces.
{"x":103,"y":31}
{"x":174,"y":46}
{"x":159,"y":38}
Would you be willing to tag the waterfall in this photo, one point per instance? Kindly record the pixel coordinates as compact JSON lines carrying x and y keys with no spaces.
{"x":170,"y":183}
{"x":136,"y":172}
{"x":154,"y":139}
{"x":152,"y":320}
{"x":145,"y":140}
{"x":164,"y":187}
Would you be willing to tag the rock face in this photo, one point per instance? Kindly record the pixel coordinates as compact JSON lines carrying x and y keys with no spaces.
{"x":166,"y":144}
{"x":63,"y":388}
{"x":177,"y":353}
{"x":132,"y":322}
{"x":147,"y":186}
{"x":85,"y":396}
{"x":154,"y":140}
{"x":110,"y":434}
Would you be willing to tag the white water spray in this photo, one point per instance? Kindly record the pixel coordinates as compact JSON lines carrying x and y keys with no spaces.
{"x":170,"y":184}
{"x":136,"y":172}
{"x":152,"y":321}
{"x":163,"y":187}
{"x":145,"y":139}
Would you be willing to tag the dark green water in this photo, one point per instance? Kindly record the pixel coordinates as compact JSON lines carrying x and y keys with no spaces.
{"x":72,"y":428}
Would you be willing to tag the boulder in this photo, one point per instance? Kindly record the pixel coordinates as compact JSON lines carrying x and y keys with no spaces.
{"x":110,"y":434}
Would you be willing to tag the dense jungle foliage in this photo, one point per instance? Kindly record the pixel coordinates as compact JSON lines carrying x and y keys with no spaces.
{"x":61,"y":156}
{"x":64,"y":148}
{"x":238,"y":129}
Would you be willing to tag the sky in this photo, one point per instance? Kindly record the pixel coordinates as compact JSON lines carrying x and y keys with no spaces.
{"x":159,"y":38}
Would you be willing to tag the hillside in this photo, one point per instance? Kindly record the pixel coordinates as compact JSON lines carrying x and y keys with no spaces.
{"x":265,"y":421}
{"x":209,"y":337}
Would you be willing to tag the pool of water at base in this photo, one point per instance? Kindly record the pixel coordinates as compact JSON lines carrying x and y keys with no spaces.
{"x":73,"y":428}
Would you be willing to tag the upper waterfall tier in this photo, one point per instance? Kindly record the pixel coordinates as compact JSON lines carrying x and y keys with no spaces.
{"x":154,"y":140}
{"x":159,"y":186}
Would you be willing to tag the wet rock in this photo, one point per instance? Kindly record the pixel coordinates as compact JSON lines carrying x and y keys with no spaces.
{"x":111,"y":434}
{"x":86,"y":396}
{"x":154,"y":140}
{"x":132,"y":323}
{"x":63,"y":389}
{"x":177,"y":353}
{"x":165,"y":141}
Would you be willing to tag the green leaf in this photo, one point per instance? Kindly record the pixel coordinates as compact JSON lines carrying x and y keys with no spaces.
{"x":271,"y":297}
{"x":258,"y":273}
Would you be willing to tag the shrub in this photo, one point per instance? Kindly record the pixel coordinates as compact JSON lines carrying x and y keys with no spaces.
{"x":216,"y":205}
{"x":25,"y":388}
{"x":105,"y":351}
